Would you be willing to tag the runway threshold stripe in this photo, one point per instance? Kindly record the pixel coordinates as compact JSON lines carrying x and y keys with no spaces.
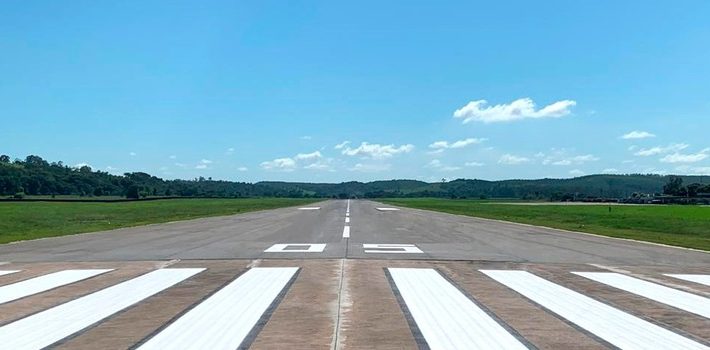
{"x":446,"y":318}
{"x":44,"y":283}
{"x":702,"y":279}
{"x":619,"y":328}
{"x":225,"y":319}
{"x":346,"y":232}
{"x":7,"y":272}
{"x":52,"y":325}
{"x":679,"y":299}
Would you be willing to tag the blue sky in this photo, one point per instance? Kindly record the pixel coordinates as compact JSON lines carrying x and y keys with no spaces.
{"x":264,"y":90}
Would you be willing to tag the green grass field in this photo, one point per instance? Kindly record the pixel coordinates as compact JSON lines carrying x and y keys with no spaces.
{"x":685,"y":226}
{"x":31,"y":220}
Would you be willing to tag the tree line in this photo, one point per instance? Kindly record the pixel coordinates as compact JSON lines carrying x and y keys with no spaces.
{"x":36,"y":176}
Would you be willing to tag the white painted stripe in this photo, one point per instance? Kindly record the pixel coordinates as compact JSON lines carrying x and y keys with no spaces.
{"x":47,"y":327}
{"x":226,"y":318}
{"x":347,"y":214}
{"x":346,"y":232}
{"x":347,"y":220}
{"x":391,"y":248}
{"x":387,"y":209}
{"x":445,"y":316}
{"x":309,"y":208}
{"x":7,"y":272}
{"x":662,"y":294}
{"x":304,"y":248}
{"x":613,"y":325}
{"x":44,"y":283}
{"x":702,"y":279}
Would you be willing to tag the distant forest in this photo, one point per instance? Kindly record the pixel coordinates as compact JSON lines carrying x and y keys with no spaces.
{"x":36,"y":176}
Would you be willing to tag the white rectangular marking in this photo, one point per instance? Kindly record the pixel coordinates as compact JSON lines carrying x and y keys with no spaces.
{"x":7,"y":272}
{"x":308,"y":248}
{"x":347,"y":214}
{"x":387,"y":209}
{"x":226,"y":318}
{"x":619,"y":328}
{"x":347,"y":220}
{"x":662,"y":294}
{"x":445,"y":316}
{"x":309,"y":208}
{"x":702,"y":279}
{"x":346,"y":232}
{"x":47,"y":327}
{"x":44,"y":283}
{"x":392,"y":248}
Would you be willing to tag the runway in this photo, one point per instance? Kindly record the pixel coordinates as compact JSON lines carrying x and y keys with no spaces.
{"x":350,"y":275}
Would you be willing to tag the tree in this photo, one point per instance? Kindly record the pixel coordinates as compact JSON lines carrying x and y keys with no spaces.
{"x":133,"y":192}
{"x":4,"y":158}
{"x":674,"y":187}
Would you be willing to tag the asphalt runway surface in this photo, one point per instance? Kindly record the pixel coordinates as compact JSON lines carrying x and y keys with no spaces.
{"x":350,"y":275}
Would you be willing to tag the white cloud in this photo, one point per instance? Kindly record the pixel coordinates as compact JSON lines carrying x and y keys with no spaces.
{"x":436,"y":164}
{"x":377,"y":151}
{"x":370,"y":167}
{"x":309,"y":156}
{"x":674,"y":147}
{"x":173,"y":157}
{"x":180,"y":165}
{"x":82,"y":165}
{"x":637,"y":135}
{"x":685,"y":158}
{"x":283,"y":164}
{"x":523,"y":108}
{"x":474,"y":164}
{"x":201,"y":166}
{"x":229,"y":151}
{"x":306,"y":137}
{"x":559,"y":158}
{"x":511,"y":159}
{"x":576,"y":172}
{"x":110,"y":168}
{"x":441,"y":145}
{"x":132,"y":154}
{"x":243,"y":168}
{"x":290,"y":164}
{"x":206,"y":161}
{"x":610,"y":171}
{"x":342,"y":145}
{"x":702,"y":170}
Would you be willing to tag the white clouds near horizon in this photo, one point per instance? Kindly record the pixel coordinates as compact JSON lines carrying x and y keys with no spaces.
{"x":519,"y":109}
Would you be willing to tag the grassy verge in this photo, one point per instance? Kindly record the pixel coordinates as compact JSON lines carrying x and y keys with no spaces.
{"x":31,"y":220}
{"x":684,"y":226}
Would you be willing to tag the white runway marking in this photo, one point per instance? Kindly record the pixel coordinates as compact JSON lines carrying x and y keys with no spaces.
{"x":387,"y":209}
{"x":662,"y":294}
{"x":47,"y":327}
{"x":702,"y":279}
{"x":347,"y":214}
{"x":309,"y":208}
{"x":346,"y":232}
{"x":226,"y":318}
{"x":7,"y":272}
{"x":445,"y":316}
{"x":44,"y":283}
{"x":613,"y":325}
{"x":347,"y":220}
{"x":296,"y":248}
{"x":391,"y":248}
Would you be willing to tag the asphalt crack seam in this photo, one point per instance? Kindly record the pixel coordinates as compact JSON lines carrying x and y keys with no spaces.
{"x":336,"y":338}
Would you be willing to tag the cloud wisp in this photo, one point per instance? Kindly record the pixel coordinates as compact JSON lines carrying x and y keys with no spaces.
{"x":376,"y":151}
{"x":635,"y":135}
{"x":524,"y":108}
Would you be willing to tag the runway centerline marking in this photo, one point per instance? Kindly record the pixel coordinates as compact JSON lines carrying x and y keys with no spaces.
{"x":617,"y":327}
{"x":225,"y":319}
{"x":309,"y":208}
{"x":702,"y":279}
{"x":47,"y":327}
{"x":296,"y":248}
{"x":347,"y":220}
{"x":346,"y":232}
{"x":446,"y":317}
{"x":662,"y":294}
{"x":387,"y":209}
{"x":7,"y":272}
{"x":44,"y":283}
{"x":392,"y":248}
